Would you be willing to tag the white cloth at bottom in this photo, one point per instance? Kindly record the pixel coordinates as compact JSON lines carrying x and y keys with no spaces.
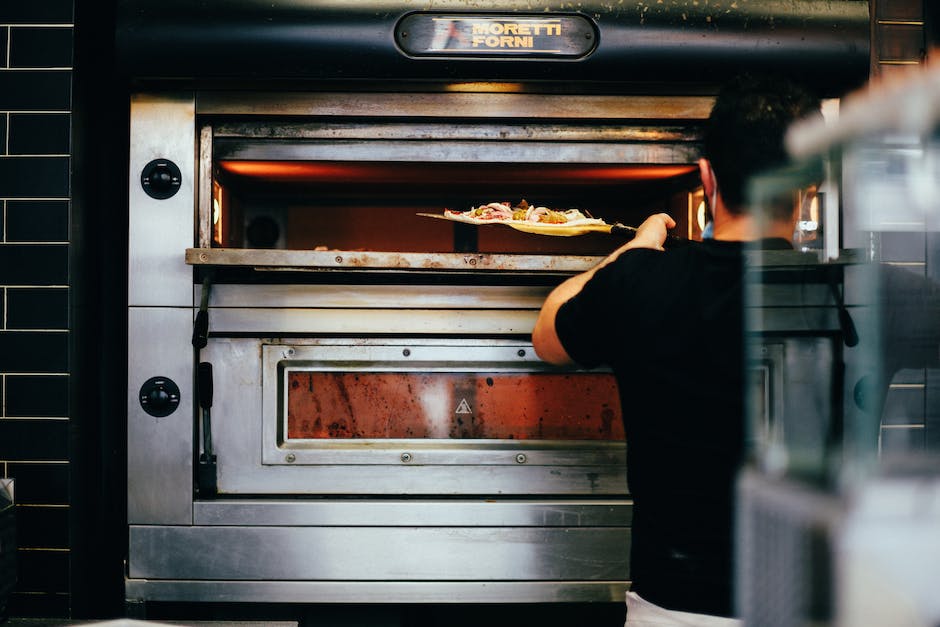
{"x":642,"y":613}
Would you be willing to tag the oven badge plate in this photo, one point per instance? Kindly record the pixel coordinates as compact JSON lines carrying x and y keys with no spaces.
{"x":511,"y":35}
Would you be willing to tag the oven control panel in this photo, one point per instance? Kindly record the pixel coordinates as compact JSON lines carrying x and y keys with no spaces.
{"x":161,"y":179}
{"x":159,"y":396}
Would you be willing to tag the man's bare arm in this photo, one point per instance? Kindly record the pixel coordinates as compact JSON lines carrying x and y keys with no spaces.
{"x":650,"y":234}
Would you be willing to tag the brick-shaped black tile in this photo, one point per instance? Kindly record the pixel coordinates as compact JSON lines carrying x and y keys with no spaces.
{"x":33,"y":264}
{"x":36,"y":352}
{"x":933,"y":256}
{"x":932,"y":418}
{"x":895,"y":42}
{"x":35,"y":90}
{"x":38,"y":47}
{"x":42,"y":527}
{"x":42,"y":571}
{"x":32,"y":177}
{"x":899,"y":9}
{"x":3,"y":133}
{"x":37,"y":396}
{"x":898,"y":442}
{"x":44,"y":484}
{"x":45,"y":12}
{"x":4,"y":38}
{"x":903,"y":246}
{"x":904,"y":405}
{"x":33,"y":440}
{"x":37,"y":308}
{"x":37,"y":221}
{"x":909,"y":376}
{"x":51,"y":605}
{"x":39,"y":133}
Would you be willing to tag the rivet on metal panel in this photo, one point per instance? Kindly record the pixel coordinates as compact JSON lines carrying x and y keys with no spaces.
{"x":521,"y":458}
{"x":406,"y":457}
{"x":521,"y":352}
{"x":406,"y":352}
{"x":338,"y":259}
{"x":291,"y":458}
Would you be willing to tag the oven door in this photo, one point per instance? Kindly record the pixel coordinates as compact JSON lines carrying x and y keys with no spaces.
{"x":415,"y":416}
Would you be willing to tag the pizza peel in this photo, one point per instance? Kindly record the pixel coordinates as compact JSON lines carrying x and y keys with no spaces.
{"x":591,"y":225}
{"x":544,"y":228}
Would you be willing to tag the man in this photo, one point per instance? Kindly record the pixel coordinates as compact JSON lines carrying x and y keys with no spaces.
{"x":669,"y":324}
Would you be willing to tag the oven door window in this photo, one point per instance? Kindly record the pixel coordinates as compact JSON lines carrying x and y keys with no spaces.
{"x":450,"y":405}
{"x":434,"y":402}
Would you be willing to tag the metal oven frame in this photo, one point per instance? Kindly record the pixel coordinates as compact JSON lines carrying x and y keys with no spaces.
{"x":495,"y":521}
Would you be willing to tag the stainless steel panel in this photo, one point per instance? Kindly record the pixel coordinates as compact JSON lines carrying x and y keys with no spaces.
{"x":204,"y":187}
{"x":416,"y":513}
{"x":448,"y":592}
{"x":799,"y":319}
{"x":505,"y":130}
{"x":456,"y":105}
{"x":315,"y":260}
{"x":374,"y":296}
{"x":248,"y":479}
{"x":453,"y":322}
{"x":384,"y":554}
{"x":162,"y":127}
{"x":437,"y":151}
{"x":160,"y":450}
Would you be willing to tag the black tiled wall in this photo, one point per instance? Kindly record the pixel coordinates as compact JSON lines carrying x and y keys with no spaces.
{"x":36,"y":42}
{"x":900,"y":33}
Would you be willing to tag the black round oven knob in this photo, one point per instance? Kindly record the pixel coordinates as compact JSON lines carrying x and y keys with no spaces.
{"x":161,"y":179}
{"x":159,"y":396}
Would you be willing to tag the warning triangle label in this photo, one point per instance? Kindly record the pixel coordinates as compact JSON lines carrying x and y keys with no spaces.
{"x":463,"y":407}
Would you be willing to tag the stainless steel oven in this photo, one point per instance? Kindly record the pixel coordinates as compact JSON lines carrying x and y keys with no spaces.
{"x":332,"y":398}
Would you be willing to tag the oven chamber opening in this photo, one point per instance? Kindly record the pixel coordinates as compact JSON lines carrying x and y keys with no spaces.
{"x":339,"y":181}
{"x":318,"y":205}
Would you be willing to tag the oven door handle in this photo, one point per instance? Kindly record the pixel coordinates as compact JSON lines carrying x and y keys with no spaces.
{"x":201,"y":324}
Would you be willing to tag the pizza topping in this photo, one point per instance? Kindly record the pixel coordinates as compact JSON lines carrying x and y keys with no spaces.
{"x":522,"y":212}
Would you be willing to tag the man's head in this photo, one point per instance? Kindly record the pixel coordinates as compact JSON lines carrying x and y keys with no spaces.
{"x":745,"y":132}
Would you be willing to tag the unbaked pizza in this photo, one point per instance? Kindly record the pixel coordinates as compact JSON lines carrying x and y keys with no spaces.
{"x":521,"y":213}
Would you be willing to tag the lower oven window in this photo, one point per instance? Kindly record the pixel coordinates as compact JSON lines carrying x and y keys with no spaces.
{"x":451,"y":405}
{"x":425,"y":401}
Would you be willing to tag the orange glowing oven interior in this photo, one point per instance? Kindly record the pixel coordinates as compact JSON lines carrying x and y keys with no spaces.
{"x":320,"y":205}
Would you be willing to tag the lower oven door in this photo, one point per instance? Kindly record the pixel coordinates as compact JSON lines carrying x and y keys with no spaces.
{"x":398,"y":471}
{"x":414,"y":416}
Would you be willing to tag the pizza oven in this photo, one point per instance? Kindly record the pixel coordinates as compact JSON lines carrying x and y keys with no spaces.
{"x":333,"y":398}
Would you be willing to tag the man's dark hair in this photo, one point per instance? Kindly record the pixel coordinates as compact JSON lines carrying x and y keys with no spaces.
{"x":745,"y":131}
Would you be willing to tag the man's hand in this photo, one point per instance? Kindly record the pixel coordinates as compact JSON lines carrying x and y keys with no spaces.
{"x":653,"y":232}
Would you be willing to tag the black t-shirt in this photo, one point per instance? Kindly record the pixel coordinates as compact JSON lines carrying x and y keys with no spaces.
{"x":669,"y":324}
